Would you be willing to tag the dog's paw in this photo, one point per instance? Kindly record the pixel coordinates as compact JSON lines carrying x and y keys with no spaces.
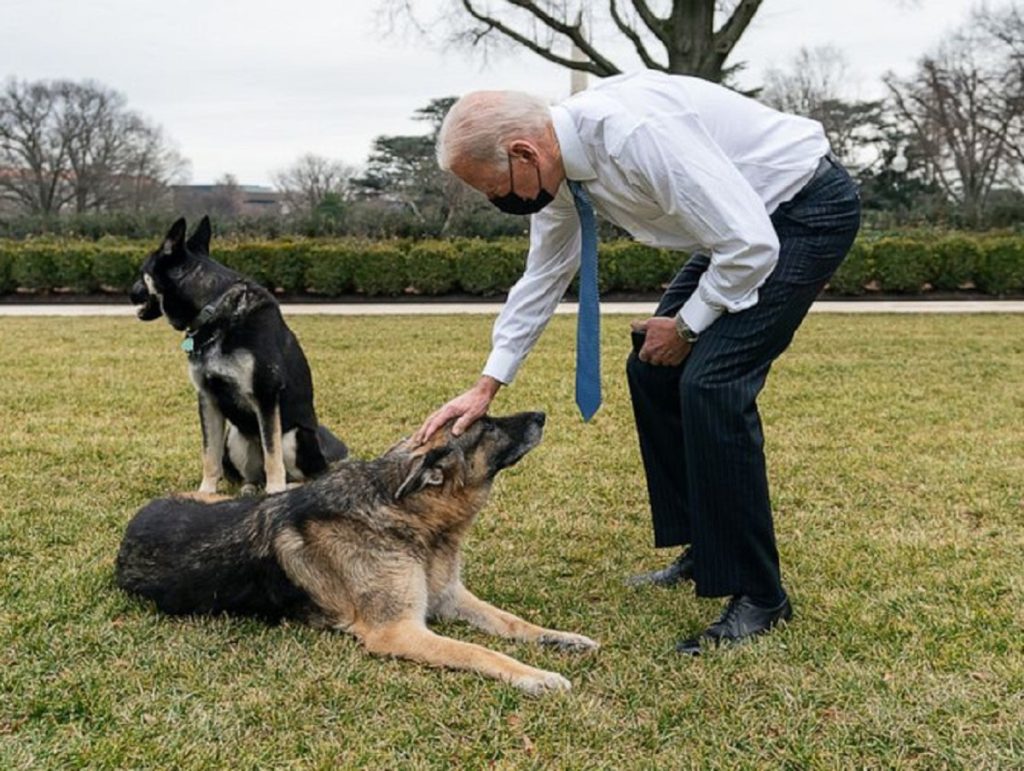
{"x":567,"y":641}
{"x":276,"y":488}
{"x":249,"y":489}
{"x":539,"y":681}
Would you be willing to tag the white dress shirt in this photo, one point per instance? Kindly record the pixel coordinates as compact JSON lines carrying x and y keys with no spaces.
{"x":679,"y":163}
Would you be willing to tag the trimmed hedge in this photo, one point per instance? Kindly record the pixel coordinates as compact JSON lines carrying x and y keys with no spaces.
{"x":904,"y":264}
{"x":430,"y":267}
{"x":489,"y":267}
{"x":901,"y":264}
{"x":917,"y":264}
{"x":632,"y":267}
{"x":1000,"y":267}
{"x":7,"y":284}
{"x":329,"y":270}
{"x":75,"y":266}
{"x":32,"y":268}
{"x":855,"y":273}
{"x":380,"y":269}
{"x":115,"y":270}
{"x":954,"y":262}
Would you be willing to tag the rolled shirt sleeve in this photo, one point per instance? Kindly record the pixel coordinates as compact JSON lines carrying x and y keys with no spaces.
{"x":703,"y":194}
{"x":553,"y":260}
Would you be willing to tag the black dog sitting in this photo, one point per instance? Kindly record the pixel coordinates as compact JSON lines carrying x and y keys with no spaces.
{"x":253,"y":381}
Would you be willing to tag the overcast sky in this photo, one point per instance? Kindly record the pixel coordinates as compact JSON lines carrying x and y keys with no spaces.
{"x":246,"y":86}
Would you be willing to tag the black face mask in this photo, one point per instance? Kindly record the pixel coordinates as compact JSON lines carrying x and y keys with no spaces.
{"x":510,"y":203}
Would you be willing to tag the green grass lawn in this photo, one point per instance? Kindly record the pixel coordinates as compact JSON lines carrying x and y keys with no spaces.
{"x":896,"y":452}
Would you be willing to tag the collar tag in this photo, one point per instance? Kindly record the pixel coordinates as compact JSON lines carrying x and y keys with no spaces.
{"x":188,"y":344}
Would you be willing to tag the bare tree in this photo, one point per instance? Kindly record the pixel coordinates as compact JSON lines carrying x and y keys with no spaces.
{"x":813,"y":85}
{"x":76,"y":144}
{"x":1005,"y":26}
{"x":814,"y":77}
{"x":33,"y":157}
{"x":687,"y":37}
{"x":151,"y":164}
{"x":90,"y":124}
{"x":310,"y":180}
{"x":965,"y":109}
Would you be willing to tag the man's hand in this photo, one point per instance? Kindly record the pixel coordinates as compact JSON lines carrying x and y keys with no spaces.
{"x":663,"y":346}
{"x":468,"y":408}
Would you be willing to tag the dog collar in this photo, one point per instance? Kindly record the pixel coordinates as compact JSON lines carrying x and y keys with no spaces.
{"x":208,"y":312}
{"x":188,"y":345}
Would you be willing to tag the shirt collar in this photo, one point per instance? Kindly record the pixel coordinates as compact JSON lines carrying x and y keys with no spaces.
{"x":574,"y":159}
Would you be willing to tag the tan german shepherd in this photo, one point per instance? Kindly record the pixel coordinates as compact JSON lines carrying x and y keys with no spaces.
{"x":370,"y":548}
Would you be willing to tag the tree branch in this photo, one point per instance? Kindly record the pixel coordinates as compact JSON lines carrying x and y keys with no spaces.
{"x":655,"y":24}
{"x":730,"y":32}
{"x":572,"y":31}
{"x":638,"y":44}
{"x":593,"y":67}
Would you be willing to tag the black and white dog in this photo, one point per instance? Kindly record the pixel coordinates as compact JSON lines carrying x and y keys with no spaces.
{"x":253,"y":381}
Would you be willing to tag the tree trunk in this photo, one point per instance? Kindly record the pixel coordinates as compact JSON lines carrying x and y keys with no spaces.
{"x":691,"y":32}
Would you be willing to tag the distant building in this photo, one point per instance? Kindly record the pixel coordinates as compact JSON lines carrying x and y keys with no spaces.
{"x":227,"y":200}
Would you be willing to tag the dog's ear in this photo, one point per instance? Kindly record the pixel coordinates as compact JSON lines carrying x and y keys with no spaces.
{"x":425,"y":470}
{"x":174,"y":241}
{"x":199,"y":242}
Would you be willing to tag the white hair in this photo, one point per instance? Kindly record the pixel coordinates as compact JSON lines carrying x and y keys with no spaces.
{"x":480,"y":125}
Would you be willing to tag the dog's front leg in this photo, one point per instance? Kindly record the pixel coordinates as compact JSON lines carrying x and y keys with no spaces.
{"x":212,"y":421}
{"x":410,"y":639}
{"x":466,"y":606}
{"x":273,"y":452}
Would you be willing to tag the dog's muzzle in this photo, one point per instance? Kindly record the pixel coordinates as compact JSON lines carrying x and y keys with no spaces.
{"x":524,"y":432}
{"x":147,"y":306}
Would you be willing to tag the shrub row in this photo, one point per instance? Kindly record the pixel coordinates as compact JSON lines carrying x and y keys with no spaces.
{"x":76,"y":266}
{"x":431,"y":267}
{"x":912,"y":264}
{"x":328,"y":268}
{"x":892,"y":264}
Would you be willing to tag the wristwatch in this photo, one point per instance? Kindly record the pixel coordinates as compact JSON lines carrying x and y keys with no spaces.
{"x":684,"y":331}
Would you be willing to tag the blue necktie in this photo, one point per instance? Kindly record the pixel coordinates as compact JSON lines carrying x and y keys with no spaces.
{"x":588,"y":324}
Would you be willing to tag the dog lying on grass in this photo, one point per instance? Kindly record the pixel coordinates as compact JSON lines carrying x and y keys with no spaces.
{"x":370,"y":548}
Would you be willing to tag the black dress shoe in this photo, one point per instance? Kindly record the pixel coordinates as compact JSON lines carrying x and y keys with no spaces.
{"x":680,"y":570}
{"x":742,"y":619}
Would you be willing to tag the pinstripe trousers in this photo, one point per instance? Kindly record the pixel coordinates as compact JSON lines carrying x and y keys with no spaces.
{"x":699,"y":428}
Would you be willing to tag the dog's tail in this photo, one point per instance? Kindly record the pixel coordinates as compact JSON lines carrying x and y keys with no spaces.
{"x":332,"y":447}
